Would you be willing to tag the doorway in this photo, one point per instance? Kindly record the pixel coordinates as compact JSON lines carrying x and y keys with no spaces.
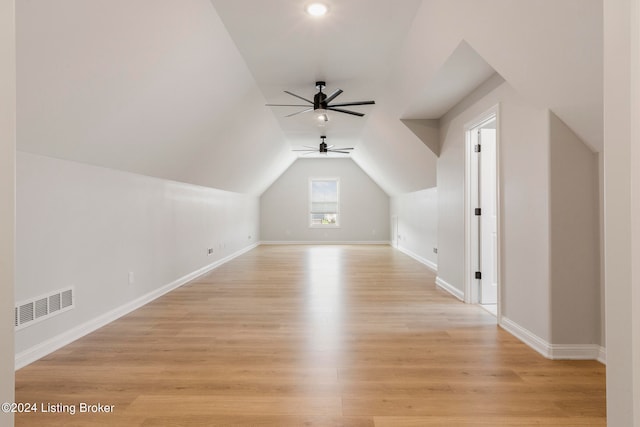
{"x":394,"y":231}
{"x":482,"y":236}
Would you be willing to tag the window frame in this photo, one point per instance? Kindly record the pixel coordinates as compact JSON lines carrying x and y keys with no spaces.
{"x":310,"y":202}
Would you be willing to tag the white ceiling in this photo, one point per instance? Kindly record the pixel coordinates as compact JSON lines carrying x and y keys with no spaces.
{"x":177,"y":88}
{"x":287,"y":49}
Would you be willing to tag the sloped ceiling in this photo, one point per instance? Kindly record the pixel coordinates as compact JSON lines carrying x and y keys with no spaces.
{"x":176,"y":88}
{"x":549,"y":51}
{"x":462,"y":72}
{"x":155,"y":87}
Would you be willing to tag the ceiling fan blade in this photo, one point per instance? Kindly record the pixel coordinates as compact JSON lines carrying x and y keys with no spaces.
{"x":310,"y":147}
{"x":299,"y":112}
{"x":344,"y":148}
{"x":298,"y":96}
{"x":333,"y":96}
{"x":310,"y":152}
{"x":347,"y":104}
{"x":346,"y":111}
{"x":285,"y":105}
{"x":336,"y":151}
{"x":306,"y":149}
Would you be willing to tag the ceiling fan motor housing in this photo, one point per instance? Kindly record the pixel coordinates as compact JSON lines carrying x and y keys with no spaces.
{"x":323,"y":145}
{"x":319,"y":99}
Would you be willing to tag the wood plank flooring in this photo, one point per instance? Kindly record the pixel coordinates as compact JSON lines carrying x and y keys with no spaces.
{"x":311,"y":336}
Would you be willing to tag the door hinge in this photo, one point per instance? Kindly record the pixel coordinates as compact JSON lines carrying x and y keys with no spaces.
{"x":478,"y":275}
{"x":477,"y":148}
{"x":478,"y":211}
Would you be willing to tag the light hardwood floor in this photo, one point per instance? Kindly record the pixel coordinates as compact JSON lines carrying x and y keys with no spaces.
{"x":312,"y":336}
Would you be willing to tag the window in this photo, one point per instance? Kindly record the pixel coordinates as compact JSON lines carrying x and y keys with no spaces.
{"x":324,"y":202}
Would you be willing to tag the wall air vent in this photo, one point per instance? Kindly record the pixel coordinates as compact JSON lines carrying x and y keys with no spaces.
{"x":33,"y":311}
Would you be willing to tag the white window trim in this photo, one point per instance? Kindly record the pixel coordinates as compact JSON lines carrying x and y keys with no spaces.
{"x":309,"y":205}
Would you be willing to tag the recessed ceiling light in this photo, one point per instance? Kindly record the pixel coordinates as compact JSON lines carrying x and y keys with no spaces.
{"x":317,"y":9}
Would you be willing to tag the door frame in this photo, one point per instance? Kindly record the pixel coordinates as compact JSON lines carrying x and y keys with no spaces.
{"x":470,"y":290}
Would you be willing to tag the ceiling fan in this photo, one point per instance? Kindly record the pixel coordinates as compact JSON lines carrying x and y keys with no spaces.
{"x":322,"y":102}
{"x":324,"y":149}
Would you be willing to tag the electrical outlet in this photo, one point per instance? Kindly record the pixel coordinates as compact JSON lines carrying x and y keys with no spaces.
{"x":249,"y":237}
{"x":435,"y":250}
{"x":132,"y":278}
{"x":210,"y":251}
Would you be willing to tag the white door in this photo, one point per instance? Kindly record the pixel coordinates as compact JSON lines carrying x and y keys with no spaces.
{"x":488,"y":219}
{"x":394,"y":231}
{"x":482,"y":244}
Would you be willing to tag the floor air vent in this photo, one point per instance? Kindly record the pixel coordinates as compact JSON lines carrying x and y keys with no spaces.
{"x":30,"y":312}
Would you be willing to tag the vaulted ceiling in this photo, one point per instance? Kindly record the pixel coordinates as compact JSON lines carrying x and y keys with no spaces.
{"x":177,"y":88}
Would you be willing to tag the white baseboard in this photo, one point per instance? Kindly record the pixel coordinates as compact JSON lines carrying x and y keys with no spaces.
{"x":574,"y":351}
{"x":532,"y":340}
{"x":430,"y":264}
{"x":450,"y":288}
{"x":554,"y":351}
{"x":321,"y":242}
{"x":602,"y":355}
{"x":44,"y":348}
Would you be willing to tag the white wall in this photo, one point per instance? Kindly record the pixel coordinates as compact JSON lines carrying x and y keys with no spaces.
{"x":417,"y":216}
{"x":523,"y":163}
{"x":635,"y":209}
{"x":88,"y":227}
{"x":622,"y":209}
{"x":364,"y":207}
{"x":549,"y":213}
{"x":393,"y":154}
{"x":7,"y":201}
{"x":575,"y":238}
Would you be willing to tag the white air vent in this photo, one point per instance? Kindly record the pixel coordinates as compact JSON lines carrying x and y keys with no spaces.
{"x":67,"y":298}
{"x":42,"y":308}
{"x":33,"y":311}
{"x":54,"y":303}
{"x":26,"y":313}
